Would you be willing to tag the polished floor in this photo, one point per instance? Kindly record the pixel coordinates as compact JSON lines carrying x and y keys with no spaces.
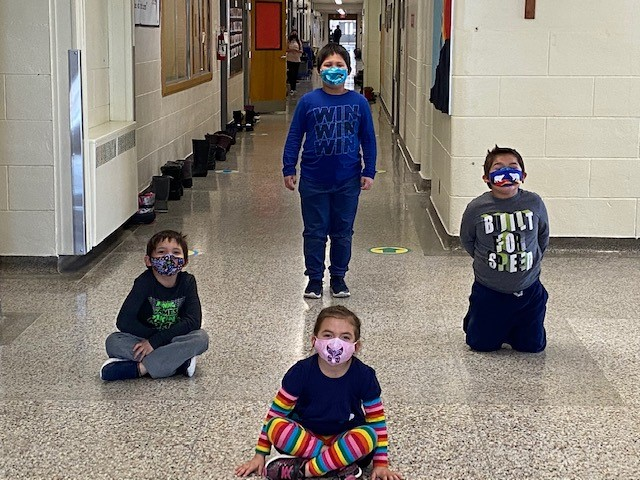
{"x":572,"y":412}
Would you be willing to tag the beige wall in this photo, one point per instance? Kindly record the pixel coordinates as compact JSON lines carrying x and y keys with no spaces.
{"x":371,"y":44}
{"x":560,"y":89}
{"x":27,"y":199}
{"x":417,"y":132}
{"x":563,"y":89}
{"x":166,"y":125}
{"x":235,"y":95}
{"x":97,"y":61}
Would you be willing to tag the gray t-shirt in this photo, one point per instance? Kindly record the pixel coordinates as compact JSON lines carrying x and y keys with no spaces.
{"x":506,"y":238}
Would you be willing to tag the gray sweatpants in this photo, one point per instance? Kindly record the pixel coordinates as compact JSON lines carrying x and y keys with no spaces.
{"x":165,"y":360}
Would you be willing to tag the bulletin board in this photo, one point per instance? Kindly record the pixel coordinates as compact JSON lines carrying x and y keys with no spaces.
{"x":236,"y":35}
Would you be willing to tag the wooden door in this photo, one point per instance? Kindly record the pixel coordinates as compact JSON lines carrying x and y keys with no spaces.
{"x":267,"y":81}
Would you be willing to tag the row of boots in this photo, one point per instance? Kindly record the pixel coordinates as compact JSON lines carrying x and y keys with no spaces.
{"x":178,"y":175}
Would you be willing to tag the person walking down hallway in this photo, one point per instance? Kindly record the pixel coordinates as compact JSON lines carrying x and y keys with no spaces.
{"x":294,"y":55}
{"x":336,"y":35}
{"x":334,"y":123}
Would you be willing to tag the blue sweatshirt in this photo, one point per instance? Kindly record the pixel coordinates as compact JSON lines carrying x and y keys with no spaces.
{"x":334,"y":128}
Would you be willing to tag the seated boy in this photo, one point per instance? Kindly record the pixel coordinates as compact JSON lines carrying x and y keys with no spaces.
{"x":506,"y":231}
{"x":160,"y":319}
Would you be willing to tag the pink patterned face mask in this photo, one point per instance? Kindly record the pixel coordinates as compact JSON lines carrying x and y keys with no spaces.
{"x":334,"y":350}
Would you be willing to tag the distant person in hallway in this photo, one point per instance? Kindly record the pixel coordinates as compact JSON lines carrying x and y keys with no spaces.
{"x":294,"y":56}
{"x":338,"y":160}
{"x":327,"y":418}
{"x":336,"y":35}
{"x":160,"y":319}
{"x":506,"y":231}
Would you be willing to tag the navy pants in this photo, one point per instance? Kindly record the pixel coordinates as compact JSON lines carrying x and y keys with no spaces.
{"x":495,"y":318}
{"x":328,"y":210}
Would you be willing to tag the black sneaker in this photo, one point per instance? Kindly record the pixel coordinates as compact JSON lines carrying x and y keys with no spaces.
{"x":339,"y":289}
{"x":188,"y":368}
{"x":118,"y":369}
{"x":350,"y":472}
{"x":314,"y":289}
{"x":284,"y":467}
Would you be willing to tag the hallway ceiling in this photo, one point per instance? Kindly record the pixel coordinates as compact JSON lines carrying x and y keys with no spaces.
{"x":349,"y":6}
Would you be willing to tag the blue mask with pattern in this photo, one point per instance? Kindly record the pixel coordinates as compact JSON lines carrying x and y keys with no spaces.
{"x":167,"y":265}
{"x":506,"y":177}
{"x":334,"y":75}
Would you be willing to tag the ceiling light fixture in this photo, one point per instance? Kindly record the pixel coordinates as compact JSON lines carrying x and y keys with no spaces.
{"x":341,"y":11}
{"x":338,"y":2}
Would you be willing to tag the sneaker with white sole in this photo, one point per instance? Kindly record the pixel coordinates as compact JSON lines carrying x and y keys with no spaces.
{"x":314,"y":289}
{"x":188,"y":368}
{"x":119,"y":369}
{"x":339,"y":289}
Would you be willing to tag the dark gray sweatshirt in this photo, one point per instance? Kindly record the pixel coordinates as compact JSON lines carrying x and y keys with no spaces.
{"x":506,"y":238}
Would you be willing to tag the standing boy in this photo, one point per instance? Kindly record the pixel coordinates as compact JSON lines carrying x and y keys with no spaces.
{"x":506,"y":231}
{"x":160,"y":319}
{"x":338,"y":161}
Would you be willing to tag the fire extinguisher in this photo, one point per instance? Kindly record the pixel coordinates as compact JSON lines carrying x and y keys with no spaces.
{"x":222,"y":47}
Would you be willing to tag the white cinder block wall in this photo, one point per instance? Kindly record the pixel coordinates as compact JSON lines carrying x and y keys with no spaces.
{"x":418,"y":116}
{"x":97,"y":59}
{"x":27,"y":216}
{"x":166,"y":125}
{"x":563,"y":89}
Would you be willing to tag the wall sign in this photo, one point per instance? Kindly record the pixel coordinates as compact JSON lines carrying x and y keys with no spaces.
{"x":147,"y":13}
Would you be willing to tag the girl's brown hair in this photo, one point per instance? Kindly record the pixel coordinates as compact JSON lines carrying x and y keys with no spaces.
{"x":337,"y":311}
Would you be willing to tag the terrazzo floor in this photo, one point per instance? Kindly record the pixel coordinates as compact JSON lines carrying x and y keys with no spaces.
{"x":571,"y":412}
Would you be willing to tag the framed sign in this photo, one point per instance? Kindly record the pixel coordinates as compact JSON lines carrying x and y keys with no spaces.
{"x":147,"y":13}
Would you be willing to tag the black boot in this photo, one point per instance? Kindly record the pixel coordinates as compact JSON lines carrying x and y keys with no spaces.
{"x":174,"y":170}
{"x":238,"y":119}
{"x":231,"y":130}
{"x":249,"y":120}
{"x":211,"y":153}
{"x":187,"y":172}
{"x":160,"y":186}
{"x":200,"y":154}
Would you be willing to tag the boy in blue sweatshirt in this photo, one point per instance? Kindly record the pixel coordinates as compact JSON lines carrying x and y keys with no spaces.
{"x":339,"y":137}
{"x":506,"y":231}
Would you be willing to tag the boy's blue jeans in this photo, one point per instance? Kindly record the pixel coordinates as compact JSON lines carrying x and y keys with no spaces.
{"x":495,"y":318}
{"x":328,"y":210}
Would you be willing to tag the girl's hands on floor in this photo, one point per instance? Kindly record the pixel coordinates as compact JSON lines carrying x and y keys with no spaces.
{"x":256,"y":464}
{"x":383,"y":473}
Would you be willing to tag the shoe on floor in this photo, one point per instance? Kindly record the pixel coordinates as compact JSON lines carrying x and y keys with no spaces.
{"x":188,"y":368}
{"x":350,"y":472}
{"x":314,"y":289}
{"x":285,"y":467}
{"x":118,"y":369}
{"x":339,"y":289}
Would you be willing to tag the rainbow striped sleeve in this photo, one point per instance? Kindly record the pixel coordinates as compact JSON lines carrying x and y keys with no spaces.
{"x":282,"y":405}
{"x":374,"y":416}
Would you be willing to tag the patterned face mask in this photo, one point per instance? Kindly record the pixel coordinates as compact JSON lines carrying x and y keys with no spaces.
{"x":167,"y":265}
{"x":334,"y":350}
{"x":506,"y":177}
{"x":334,"y":75}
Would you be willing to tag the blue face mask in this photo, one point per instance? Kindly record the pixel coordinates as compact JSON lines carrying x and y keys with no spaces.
{"x":506,"y":177}
{"x":167,"y":265}
{"x":334,"y":75}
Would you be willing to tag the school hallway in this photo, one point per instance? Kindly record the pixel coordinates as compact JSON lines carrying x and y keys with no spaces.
{"x":571,"y":412}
